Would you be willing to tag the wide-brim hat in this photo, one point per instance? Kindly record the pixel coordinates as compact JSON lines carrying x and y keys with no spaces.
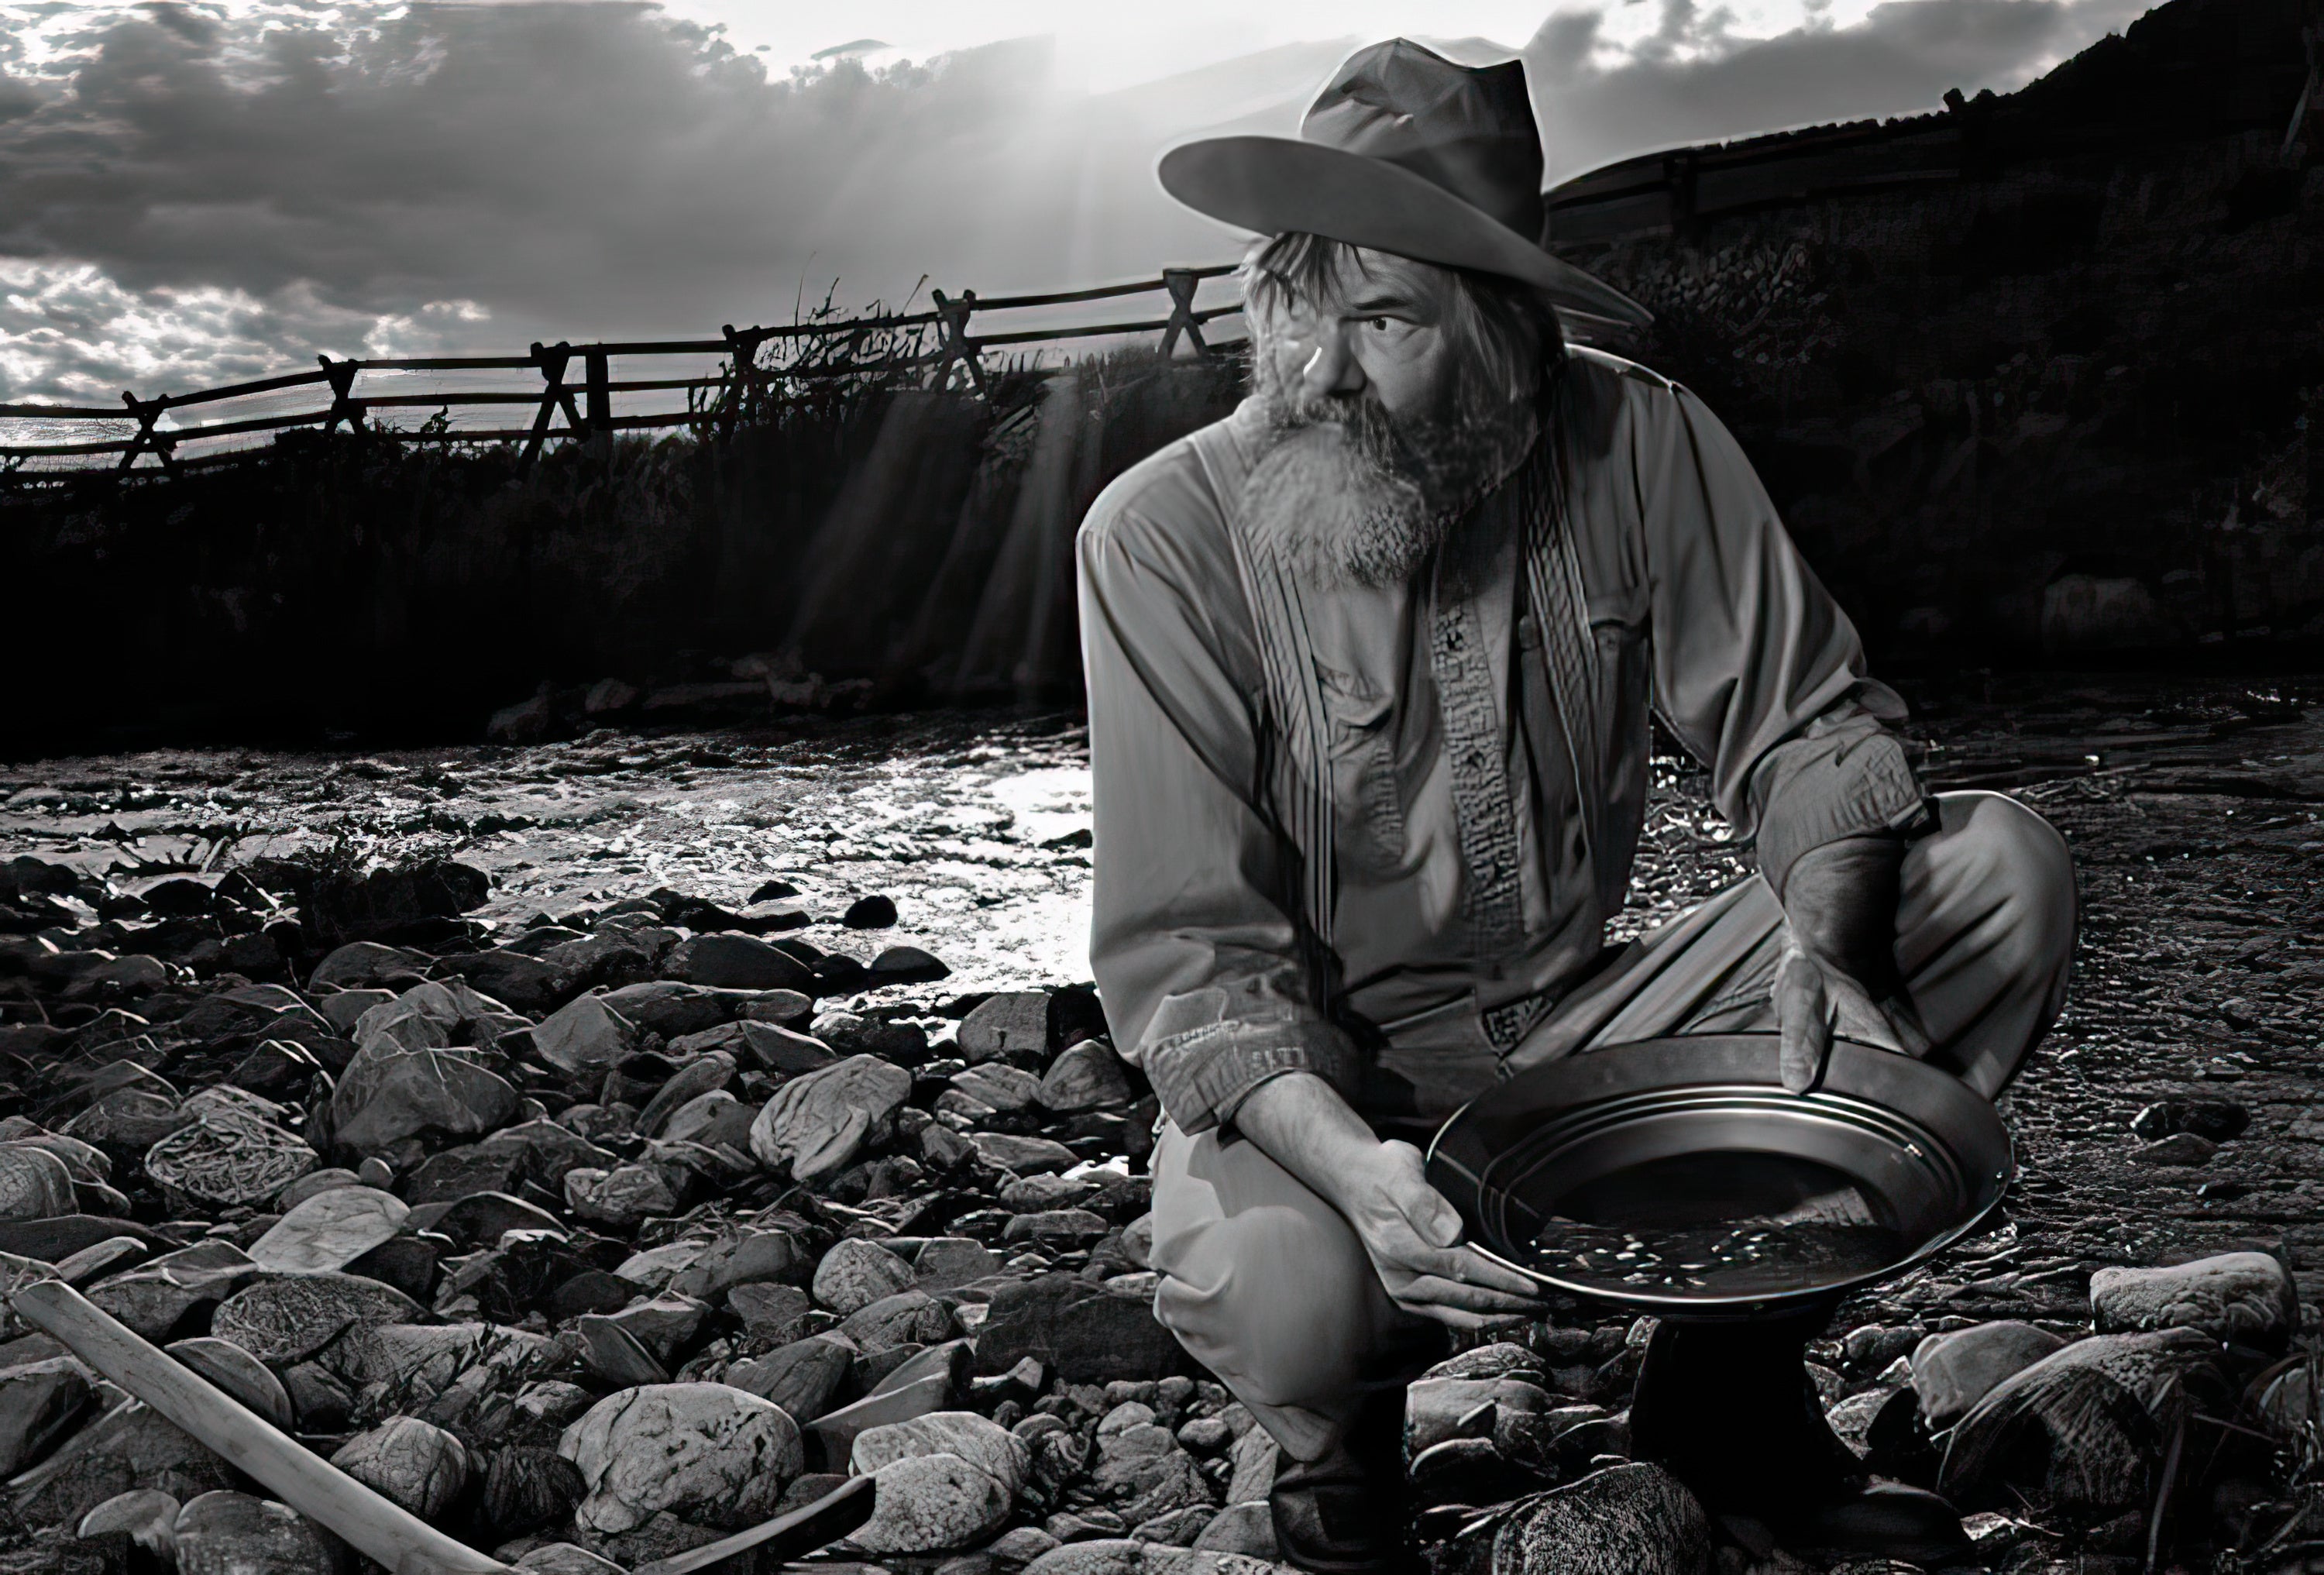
{"x":1404,"y":152}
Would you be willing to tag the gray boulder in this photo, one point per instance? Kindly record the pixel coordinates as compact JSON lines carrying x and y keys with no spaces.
{"x":1624,"y":1520}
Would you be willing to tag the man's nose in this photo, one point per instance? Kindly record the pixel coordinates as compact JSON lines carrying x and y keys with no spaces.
{"x":1333,"y":369}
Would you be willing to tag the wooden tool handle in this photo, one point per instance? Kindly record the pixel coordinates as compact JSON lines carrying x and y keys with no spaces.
{"x":372,"y":1524}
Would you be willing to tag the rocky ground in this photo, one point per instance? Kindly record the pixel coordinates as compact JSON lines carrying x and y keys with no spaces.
{"x":597,"y":1147}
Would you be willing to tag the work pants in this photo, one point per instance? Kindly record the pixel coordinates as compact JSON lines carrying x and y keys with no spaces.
{"x":1267,"y":1285}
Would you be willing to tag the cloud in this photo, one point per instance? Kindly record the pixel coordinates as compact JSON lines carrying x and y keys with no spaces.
{"x":191,"y":194}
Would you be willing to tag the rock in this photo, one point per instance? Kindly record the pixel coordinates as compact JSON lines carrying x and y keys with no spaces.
{"x":239,"y":1374}
{"x":711,"y":1071}
{"x":1623,"y":1520}
{"x":665,"y":1326}
{"x":156,"y":1296}
{"x":2215,"y":1119}
{"x":34,"y":1184}
{"x":816,"y":1124}
{"x":585,"y":1036}
{"x":744,"y":1258}
{"x":319,"y":1401}
{"x":527,"y":1488}
{"x":340,"y":906}
{"x":564,"y":1559}
{"x":2181,"y":1148}
{"x":774,"y":1047}
{"x":907,"y":1318}
{"x":706,"y":1452}
{"x":1248,"y":1529}
{"x":472,"y":1167}
{"x":1087,"y":1076}
{"x":40,"y":1403}
{"x":420,"y":1467}
{"x":364,"y":965}
{"x":905,"y":965}
{"x":2082,"y":1429}
{"x":978,"y":1439}
{"x":1126,"y":1556}
{"x":224,"y":1532}
{"x":1851,"y":1418}
{"x":2245,"y":1298}
{"x":615,"y":1356}
{"x":1951,"y":1372}
{"x":674,"y":1009}
{"x":870,"y":913}
{"x":926,"y":1503}
{"x":854,"y":1274}
{"x":998,"y":1086}
{"x":802,"y":1378}
{"x":1436,"y":1408}
{"x":1085,"y":1332}
{"x":129,"y":1447}
{"x":427,"y":1356}
{"x":622,"y":1198}
{"x":329,"y":1229}
{"x":731,"y":960}
{"x":771,"y":1314}
{"x":146,"y":1516}
{"x":1061,"y":1227}
{"x":550,"y":1151}
{"x":389,"y":1095}
{"x":313,"y":1184}
{"x":1023,"y":1156}
{"x":947,"y":1262}
{"x":1031,"y":1194}
{"x":553,"y":1404}
{"x":529,"y":984}
{"x":281,"y":1319}
{"x":481,"y":1218}
{"x":1011,"y":1025}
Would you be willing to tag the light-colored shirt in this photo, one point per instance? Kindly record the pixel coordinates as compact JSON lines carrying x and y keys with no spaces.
{"x":1468,"y":897}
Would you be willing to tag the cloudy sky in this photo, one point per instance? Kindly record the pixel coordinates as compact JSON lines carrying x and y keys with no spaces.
{"x":194,"y":192}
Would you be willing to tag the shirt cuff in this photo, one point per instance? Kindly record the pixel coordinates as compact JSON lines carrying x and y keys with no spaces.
{"x":1235,"y":1040}
{"x":1852,"y":780}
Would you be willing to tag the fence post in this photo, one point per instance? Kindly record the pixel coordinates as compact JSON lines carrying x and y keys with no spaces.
{"x":600,"y":440}
{"x":1181,"y":283}
{"x":959,"y":348}
{"x":342,"y":376}
{"x":551,"y":360}
{"x":148,"y":440}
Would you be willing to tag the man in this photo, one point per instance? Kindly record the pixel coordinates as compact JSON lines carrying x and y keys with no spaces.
{"x":1369,"y":665}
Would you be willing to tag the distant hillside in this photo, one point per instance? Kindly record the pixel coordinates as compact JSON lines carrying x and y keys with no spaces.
{"x":2034,"y":373}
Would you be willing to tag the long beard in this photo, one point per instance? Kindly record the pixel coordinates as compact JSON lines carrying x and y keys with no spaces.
{"x":1349,"y":494}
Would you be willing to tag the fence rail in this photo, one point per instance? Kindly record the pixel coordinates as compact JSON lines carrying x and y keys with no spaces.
{"x":586,"y":404}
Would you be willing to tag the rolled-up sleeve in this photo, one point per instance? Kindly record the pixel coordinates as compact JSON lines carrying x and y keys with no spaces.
{"x":1755,"y":668}
{"x":1195,"y":952}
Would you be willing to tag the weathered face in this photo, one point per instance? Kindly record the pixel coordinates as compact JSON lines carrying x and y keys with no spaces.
{"x":1382,"y":333}
{"x":1388,"y":439}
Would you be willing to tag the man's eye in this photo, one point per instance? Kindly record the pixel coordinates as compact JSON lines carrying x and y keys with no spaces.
{"x":1381,"y":324}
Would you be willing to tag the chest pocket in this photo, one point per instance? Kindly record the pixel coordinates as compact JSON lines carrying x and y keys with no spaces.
{"x":1366,"y":798}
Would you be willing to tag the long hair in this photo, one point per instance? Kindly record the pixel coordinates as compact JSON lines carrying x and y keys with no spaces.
{"x":1506,"y":333}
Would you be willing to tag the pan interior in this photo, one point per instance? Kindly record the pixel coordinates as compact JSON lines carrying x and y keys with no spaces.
{"x":1715,"y":1192}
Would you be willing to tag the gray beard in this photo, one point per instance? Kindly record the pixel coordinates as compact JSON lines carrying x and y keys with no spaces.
{"x":1348,"y":495}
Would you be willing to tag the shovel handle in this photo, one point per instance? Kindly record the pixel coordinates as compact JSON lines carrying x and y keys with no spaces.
{"x":373,"y":1526}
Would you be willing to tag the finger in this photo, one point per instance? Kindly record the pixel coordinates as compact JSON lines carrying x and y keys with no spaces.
{"x":1457,"y":1318}
{"x":1912,"y":1033}
{"x":1433,"y":1291}
{"x":1802,"y":1013}
{"x":1856,"y":1016}
{"x":1461,"y":1266}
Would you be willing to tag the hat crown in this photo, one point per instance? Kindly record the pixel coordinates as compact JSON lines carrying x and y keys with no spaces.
{"x":1468,"y":129}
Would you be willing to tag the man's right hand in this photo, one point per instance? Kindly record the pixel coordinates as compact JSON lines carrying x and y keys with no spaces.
{"x":1411,"y":1230}
{"x":1413,"y":1233}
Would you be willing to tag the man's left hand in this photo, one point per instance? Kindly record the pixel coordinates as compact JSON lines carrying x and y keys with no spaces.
{"x":1838,"y":976}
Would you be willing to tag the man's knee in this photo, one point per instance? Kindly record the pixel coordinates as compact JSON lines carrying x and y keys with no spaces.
{"x":2021,"y":869}
{"x":1275,"y":1295}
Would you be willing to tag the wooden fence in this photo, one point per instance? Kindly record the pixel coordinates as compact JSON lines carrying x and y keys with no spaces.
{"x":586,"y":402}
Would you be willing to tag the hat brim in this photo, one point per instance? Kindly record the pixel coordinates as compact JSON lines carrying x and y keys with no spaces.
{"x":1271,"y":185}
